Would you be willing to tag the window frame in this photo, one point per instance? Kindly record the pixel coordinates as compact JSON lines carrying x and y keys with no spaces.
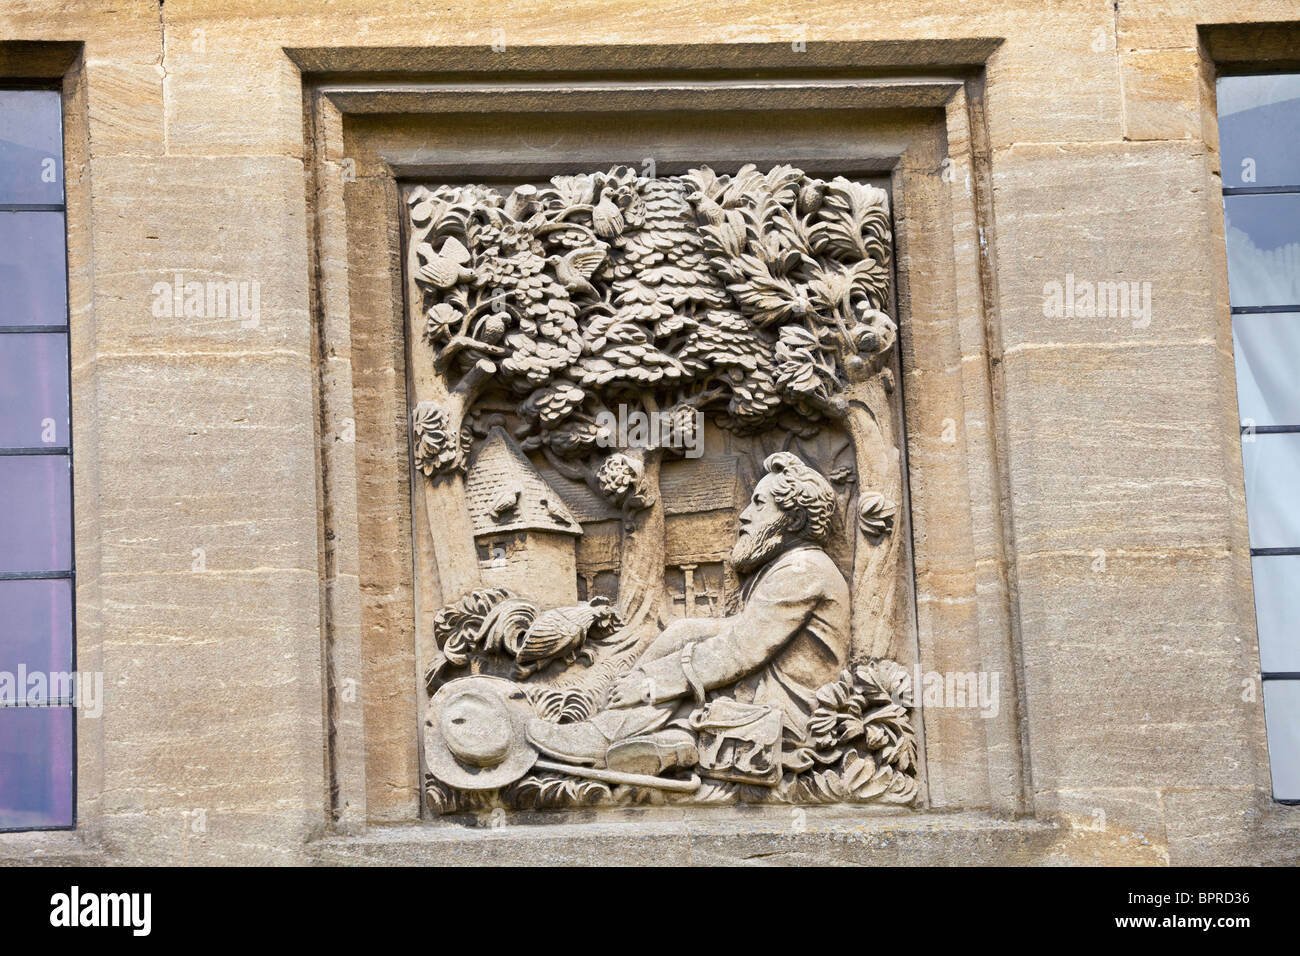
{"x":65,"y":449}
{"x":1223,"y":71}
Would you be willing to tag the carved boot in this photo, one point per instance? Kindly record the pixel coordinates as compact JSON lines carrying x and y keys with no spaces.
{"x":586,"y":741}
{"x":652,"y":754}
{"x":578,"y":743}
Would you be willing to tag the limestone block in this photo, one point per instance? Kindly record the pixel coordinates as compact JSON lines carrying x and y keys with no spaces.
{"x":1083,"y":219}
{"x":1135,"y":673}
{"x":1162,"y":93}
{"x":212,"y":222}
{"x":1114,"y":447}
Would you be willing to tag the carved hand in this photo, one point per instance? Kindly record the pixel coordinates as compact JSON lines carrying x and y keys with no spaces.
{"x":630,"y":689}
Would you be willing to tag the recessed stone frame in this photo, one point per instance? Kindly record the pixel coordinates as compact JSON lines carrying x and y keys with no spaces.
{"x":1226,"y":49}
{"x":907,"y":114}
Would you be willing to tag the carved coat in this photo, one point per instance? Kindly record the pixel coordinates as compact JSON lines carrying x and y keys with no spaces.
{"x":790,"y":638}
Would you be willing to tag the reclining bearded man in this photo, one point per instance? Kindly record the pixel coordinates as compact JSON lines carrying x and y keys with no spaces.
{"x":790,"y":637}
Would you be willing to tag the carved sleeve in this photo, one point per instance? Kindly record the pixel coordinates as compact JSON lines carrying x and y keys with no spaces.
{"x":777,"y":610}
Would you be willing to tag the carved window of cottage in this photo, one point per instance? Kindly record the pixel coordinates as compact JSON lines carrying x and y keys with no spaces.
{"x":36,"y":566}
{"x":1259,"y":131}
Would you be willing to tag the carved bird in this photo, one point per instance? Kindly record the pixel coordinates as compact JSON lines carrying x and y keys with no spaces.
{"x":607,"y":218}
{"x":505,"y":502}
{"x":555,"y":511}
{"x":575,"y":268}
{"x":563,"y":632}
{"x":445,"y":267}
{"x":709,"y":211}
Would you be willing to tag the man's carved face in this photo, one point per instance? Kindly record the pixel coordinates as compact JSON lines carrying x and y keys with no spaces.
{"x":763,"y":530}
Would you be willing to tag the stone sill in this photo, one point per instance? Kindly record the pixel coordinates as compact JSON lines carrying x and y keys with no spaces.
{"x":703,"y":837}
{"x":48,"y":848}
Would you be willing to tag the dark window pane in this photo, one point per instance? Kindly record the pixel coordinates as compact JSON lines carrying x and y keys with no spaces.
{"x":33,"y":277}
{"x":33,"y":390}
{"x":31,"y":147}
{"x":1266,"y":348}
{"x":1272,"y":466}
{"x":1282,"y":718}
{"x":35,"y":627}
{"x":35,"y":513}
{"x":1277,"y":609}
{"x":1263,"y":249}
{"x":35,"y":767}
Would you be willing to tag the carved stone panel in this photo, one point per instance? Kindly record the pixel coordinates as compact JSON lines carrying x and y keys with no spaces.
{"x":655,"y":427}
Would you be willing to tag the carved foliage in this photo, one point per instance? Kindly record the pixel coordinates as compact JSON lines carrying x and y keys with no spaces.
{"x":756,"y":297}
{"x":438,"y":444}
{"x":860,"y":742}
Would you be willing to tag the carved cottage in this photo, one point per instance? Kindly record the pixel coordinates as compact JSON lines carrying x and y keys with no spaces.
{"x":524,"y":532}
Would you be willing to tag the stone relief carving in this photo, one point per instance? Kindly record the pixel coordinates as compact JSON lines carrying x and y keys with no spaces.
{"x":656,"y":424}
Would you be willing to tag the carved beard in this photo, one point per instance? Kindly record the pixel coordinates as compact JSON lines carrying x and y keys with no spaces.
{"x":755,"y":548}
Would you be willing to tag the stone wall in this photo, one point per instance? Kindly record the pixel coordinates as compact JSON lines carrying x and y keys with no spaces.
{"x":1117,"y":481}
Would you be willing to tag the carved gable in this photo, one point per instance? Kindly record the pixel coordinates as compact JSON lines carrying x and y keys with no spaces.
{"x":504,"y":492}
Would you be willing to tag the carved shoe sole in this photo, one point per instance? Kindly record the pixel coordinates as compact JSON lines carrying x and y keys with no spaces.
{"x":652,"y":754}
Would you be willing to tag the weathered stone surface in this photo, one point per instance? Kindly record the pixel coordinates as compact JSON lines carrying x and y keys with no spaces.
{"x":806,"y":836}
{"x":1076,"y":502}
{"x":1162,"y":93}
{"x":1121,"y":681}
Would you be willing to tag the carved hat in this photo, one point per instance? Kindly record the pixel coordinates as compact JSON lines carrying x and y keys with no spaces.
{"x":475,"y":733}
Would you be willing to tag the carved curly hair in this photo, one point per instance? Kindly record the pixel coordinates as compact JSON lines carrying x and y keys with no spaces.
{"x":799,"y":488}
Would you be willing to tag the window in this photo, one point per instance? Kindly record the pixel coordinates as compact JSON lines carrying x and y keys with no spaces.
{"x":1259,"y":133}
{"x":36,"y":567}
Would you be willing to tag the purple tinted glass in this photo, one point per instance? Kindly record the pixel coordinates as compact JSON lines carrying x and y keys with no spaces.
{"x":31,"y":147}
{"x":33,"y":275}
{"x":35,"y":767}
{"x":35,"y":513}
{"x":34,"y":390}
{"x":35,"y":628}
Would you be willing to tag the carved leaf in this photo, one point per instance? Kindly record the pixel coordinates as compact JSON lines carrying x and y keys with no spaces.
{"x":438,"y":449}
{"x":555,"y":792}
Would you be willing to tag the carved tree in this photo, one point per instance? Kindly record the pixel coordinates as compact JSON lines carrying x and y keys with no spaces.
{"x":758,"y":299}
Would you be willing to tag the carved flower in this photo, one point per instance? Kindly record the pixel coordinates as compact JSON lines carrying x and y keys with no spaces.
{"x":683,"y":427}
{"x":441,"y":319}
{"x":619,"y":478}
{"x":876,"y":514}
{"x":437,"y":448}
